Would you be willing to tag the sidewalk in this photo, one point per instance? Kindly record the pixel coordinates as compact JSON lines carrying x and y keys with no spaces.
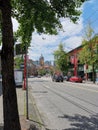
{"x":90,"y":83}
{"x":21,"y":100}
{"x":34,"y":121}
{"x":21,"y":94}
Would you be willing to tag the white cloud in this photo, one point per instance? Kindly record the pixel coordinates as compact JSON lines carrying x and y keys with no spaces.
{"x":42,"y":44}
{"x":43,"y":40}
{"x":70,"y":28}
{"x":46,"y":44}
{"x":72,"y":42}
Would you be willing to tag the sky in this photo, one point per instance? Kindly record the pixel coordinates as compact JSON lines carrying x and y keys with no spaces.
{"x":71,"y":37}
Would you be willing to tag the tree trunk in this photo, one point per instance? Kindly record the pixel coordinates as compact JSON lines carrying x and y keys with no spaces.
{"x":10,"y":109}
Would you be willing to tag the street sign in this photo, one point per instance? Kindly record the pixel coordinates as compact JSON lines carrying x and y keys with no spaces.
{"x":21,"y":66}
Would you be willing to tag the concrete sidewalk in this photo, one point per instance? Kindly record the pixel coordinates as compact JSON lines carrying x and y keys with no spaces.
{"x":21,"y":101}
{"x":34,"y":121}
{"x":21,"y":108}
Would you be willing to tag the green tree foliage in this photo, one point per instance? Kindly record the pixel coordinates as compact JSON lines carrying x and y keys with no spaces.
{"x":88,"y":34}
{"x":17,"y":62}
{"x":89,"y":53}
{"x":43,"y":16}
{"x":85,"y":53}
{"x":94,"y":51}
{"x":60,"y":58}
{"x":42,"y":72}
{"x":40,"y":15}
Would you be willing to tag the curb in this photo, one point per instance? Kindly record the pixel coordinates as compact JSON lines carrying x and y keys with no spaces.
{"x":34,"y":113}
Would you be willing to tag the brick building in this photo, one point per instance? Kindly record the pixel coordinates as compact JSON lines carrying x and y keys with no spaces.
{"x":75,"y":67}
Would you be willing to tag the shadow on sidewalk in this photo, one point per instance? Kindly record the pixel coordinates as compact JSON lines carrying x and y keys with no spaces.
{"x":79,"y":122}
{"x":1,"y":126}
{"x":27,"y":124}
{"x":36,"y":122}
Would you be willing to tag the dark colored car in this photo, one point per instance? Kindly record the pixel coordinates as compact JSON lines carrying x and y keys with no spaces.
{"x":75,"y":79}
{"x":57,"y":78}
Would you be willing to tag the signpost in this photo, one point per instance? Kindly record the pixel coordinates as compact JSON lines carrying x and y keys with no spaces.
{"x":20,"y":50}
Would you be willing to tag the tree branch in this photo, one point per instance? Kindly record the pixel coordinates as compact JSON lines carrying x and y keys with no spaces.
{"x":1,"y":4}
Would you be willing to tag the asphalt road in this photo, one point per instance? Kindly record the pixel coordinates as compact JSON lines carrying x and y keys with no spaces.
{"x":66,"y":106}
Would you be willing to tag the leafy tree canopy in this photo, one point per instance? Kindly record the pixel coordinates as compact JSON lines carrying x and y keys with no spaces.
{"x":43,"y":15}
{"x":89,"y":53}
{"x":17,"y":62}
{"x":86,"y":53}
{"x":60,"y":57}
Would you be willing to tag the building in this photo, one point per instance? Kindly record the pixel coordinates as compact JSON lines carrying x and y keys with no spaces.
{"x":41,"y":60}
{"x":36,"y":62}
{"x":47,"y":63}
{"x":74,"y":65}
{"x":76,"y":68}
{"x":44,"y":65}
{"x":32,"y":69}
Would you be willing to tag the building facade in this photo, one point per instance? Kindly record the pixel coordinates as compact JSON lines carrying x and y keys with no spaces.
{"x":83,"y":70}
{"x":75,"y":67}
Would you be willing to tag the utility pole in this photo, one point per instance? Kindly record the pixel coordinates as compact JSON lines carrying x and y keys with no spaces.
{"x":27,"y":117}
{"x":25,"y":85}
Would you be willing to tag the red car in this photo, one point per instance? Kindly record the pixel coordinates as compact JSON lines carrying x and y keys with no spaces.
{"x":76,"y":79}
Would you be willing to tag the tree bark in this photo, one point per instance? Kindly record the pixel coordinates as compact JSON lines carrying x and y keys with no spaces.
{"x":10,"y":109}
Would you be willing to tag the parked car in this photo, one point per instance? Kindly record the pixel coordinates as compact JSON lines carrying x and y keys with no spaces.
{"x":31,"y":76}
{"x":65,"y":78}
{"x":57,"y":78}
{"x":75,"y":79}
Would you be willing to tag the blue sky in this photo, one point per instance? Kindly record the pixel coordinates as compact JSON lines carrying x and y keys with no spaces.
{"x":71,"y":37}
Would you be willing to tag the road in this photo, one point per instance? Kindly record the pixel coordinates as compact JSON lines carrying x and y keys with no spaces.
{"x":66,"y":106}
